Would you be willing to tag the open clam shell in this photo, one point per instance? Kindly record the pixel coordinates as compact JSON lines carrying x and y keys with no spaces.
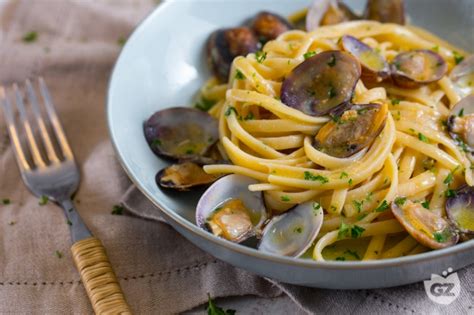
{"x":414,"y":68}
{"x":184,"y":176}
{"x":353,"y":131}
{"x":374,"y":66}
{"x":228,"y":209}
{"x":460,"y":210}
{"x":461,"y":123}
{"x":268,"y":26}
{"x":385,"y":11}
{"x":181,"y":133}
{"x":322,"y":83}
{"x":293,"y":232}
{"x":426,"y":227}
{"x":463,"y":76}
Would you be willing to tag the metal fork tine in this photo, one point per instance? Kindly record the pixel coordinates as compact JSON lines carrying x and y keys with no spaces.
{"x":53,"y":117}
{"x":43,"y":131}
{"x":12,"y":131}
{"x":35,"y":153}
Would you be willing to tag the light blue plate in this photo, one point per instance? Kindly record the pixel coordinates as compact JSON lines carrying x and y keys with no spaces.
{"x":163,"y":65}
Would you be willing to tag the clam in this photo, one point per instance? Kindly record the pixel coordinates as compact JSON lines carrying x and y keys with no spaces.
{"x":224,"y":45}
{"x":374,"y":65}
{"x":328,"y":12}
{"x":322,"y":84}
{"x":417,"y":67}
{"x":181,"y":133}
{"x":352,"y":131}
{"x":461,"y":123}
{"x":229,"y":210}
{"x":463,"y":76}
{"x":460,"y":210}
{"x":385,"y":11}
{"x":293,"y":232}
{"x":268,"y":26}
{"x":423,"y":225}
{"x":183,"y":176}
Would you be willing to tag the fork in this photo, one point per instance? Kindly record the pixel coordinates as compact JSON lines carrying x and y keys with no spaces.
{"x":48,"y":169}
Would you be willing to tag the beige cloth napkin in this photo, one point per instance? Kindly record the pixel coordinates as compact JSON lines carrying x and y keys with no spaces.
{"x":160,"y":272}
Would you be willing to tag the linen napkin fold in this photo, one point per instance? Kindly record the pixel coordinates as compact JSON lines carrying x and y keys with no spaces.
{"x":409,"y":299}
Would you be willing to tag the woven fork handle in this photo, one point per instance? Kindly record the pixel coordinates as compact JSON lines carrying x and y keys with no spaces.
{"x":98,"y":277}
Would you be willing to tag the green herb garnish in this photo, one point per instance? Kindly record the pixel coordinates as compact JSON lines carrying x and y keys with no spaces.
{"x":440,"y":237}
{"x":357,"y":231}
{"x":340,"y":258}
{"x":449,"y":179}
{"x":213,"y":309}
{"x":121,"y":41}
{"x":358,"y":205}
{"x":309,"y":54}
{"x":6,"y":201}
{"x":423,"y":138}
{"x":59,"y":254}
{"x":332,"y":92}
{"x":450,"y":193}
{"x":395,"y":101}
{"x":298,"y":229}
{"x":230,"y":110}
{"x":426,"y":204}
{"x":343,"y":174}
{"x":117,"y":210}
{"x":260,"y":56}
{"x":239,"y":75}
{"x":30,"y":37}
{"x":249,"y":116}
{"x":343,"y":230}
{"x":204,"y":104}
{"x":312,"y":177}
{"x":382,"y":207}
{"x":43,"y":200}
{"x":352,"y":253}
{"x":332,"y":61}
{"x":400,"y":201}
{"x":461,"y":113}
{"x":285,"y":198}
{"x":457,"y":57}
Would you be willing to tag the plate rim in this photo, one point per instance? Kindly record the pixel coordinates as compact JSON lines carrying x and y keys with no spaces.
{"x":247,"y":251}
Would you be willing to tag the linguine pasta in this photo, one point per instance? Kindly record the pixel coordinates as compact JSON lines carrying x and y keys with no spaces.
{"x":272,"y":142}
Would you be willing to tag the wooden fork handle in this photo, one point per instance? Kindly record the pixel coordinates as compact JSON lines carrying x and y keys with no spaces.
{"x":98,"y":277}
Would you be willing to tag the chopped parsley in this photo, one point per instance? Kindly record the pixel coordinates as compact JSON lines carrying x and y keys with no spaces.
{"x":350,"y":181}
{"x":332,"y":61}
{"x":155,"y":143}
{"x":422,"y":137}
{"x":362,"y":216}
{"x":449,"y":179}
{"x":395,"y":101}
{"x":43,"y":200}
{"x":358,"y":205}
{"x":457,"y":57}
{"x":312,"y":177}
{"x":30,"y":37}
{"x":369,"y":196}
{"x":230,"y":110}
{"x":121,"y":41}
{"x":461,"y":113}
{"x":249,"y":116}
{"x":346,"y":230}
{"x":309,"y":54}
{"x":189,"y":151}
{"x":382,"y":207}
{"x":435,"y":48}
{"x":204,"y":104}
{"x":239,"y":75}
{"x":343,"y":175}
{"x":213,"y":309}
{"x":59,"y":254}
{"x":285,"y":198}
{"x":450,"y":193}
{"x":68,"y":222}
{"x":12,"y":223}
{"x":352,"y":253}
{"x":261,"y":56}
{"x":426,"y":204}
{"x":298,"y":230}
{"x":6,"y":201}
{"x":340,"y":258}
{"x":440,"y":237}
{"x":400,"y":201}
{"x":117,"y":210}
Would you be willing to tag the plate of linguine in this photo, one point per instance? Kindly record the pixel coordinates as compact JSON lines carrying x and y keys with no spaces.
{"x":313,"y":142}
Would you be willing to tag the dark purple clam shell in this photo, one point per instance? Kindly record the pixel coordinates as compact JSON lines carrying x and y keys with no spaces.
{"x":268,"y":26}
{"x":374,"y":65}
{"x":184,"y":176}
{"x":417,"y":67}
{"x":224,"y":45}
{"x":460,"y":210}
{"x":385,"y":11}
{"x":181,"y":133}
{"x":322,"y":84}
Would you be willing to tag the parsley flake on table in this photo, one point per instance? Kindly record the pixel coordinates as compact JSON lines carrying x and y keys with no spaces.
{"x":117,"y":210}
{"x":213,"y":309}
{"x":121,"y":41}
{"x":43,"y":200}
{"x":6,"y":201}
{"x":59,"y":254}
{"x":30,"y":37}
